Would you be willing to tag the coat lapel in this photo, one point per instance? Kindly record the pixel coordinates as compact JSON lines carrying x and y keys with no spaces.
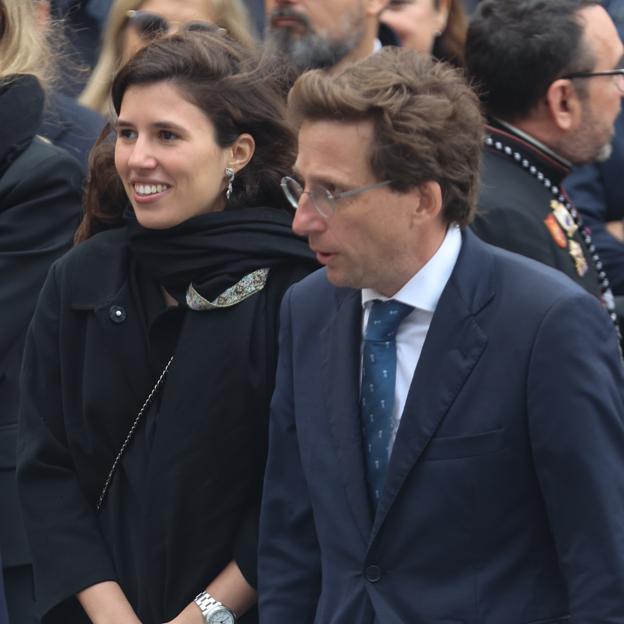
{"x":452,"y":348}
{"x":340,"y":380}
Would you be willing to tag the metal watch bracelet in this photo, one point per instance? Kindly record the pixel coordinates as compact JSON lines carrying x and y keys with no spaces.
{"x":209,"y":604}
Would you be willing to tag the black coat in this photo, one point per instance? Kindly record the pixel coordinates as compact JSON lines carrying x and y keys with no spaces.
{"x":197,"y":505}
{"x":40,"y":191}
{"x":4,"y":616}
{"x":514,"y":208}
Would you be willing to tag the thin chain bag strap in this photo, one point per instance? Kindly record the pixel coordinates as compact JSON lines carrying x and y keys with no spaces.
{"x":135,"y":424}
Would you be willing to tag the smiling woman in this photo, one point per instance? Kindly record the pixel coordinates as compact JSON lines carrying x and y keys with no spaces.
{"x":149,"y":364}
{"x":168,"y":159}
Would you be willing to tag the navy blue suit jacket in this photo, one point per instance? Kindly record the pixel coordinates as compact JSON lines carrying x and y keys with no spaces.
{"x":504,"y":499}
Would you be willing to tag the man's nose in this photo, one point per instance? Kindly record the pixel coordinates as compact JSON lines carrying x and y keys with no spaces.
{"x":307,"y":219}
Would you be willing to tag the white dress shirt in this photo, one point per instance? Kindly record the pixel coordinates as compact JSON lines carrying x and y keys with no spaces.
{"x":422,"y":292}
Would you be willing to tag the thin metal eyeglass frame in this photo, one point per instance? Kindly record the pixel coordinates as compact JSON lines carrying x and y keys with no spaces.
{"x":332,"y":199}
{"x":608,"y":72}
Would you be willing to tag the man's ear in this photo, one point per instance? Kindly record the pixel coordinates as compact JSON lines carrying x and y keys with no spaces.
{"x":375,"y":7}
{"x":563,"y":104}
{"x":241,"y":152}
{"x":427,"y":204}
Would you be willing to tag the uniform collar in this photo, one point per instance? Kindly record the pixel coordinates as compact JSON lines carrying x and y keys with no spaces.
{"x":551,"y":163}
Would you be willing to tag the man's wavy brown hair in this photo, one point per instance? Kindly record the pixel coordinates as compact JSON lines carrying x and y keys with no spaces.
{"x":427,"y":121}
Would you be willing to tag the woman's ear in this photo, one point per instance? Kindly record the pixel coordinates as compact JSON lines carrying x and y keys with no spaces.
{"x":443,"y":14}
{"x":241,"y":152}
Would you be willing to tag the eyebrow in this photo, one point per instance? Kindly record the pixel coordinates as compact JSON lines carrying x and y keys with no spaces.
{"x":158,"y":125}
{"x":319,"y":180}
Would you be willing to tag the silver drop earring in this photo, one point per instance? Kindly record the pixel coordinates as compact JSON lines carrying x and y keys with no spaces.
{"x":230,"y":175}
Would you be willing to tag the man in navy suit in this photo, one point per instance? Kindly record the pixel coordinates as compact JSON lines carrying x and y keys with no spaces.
{"x":447,"y":431}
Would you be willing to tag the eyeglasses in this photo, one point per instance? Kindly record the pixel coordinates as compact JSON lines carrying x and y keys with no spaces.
{"x":150,"y":25}
{"x":617,"y":74}
{"x":323,"y":200}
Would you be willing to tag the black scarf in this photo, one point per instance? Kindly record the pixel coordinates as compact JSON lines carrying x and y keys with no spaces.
{"x":214,"y":251}
{"x":21,"y":103}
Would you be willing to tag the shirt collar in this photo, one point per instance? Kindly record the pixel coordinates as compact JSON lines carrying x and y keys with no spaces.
{"x":424,"y":289}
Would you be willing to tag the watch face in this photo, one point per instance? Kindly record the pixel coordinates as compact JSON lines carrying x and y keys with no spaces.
{"x":221,"y":616}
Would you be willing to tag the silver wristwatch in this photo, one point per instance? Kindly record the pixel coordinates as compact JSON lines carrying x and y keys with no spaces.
{"x":213,"y":611}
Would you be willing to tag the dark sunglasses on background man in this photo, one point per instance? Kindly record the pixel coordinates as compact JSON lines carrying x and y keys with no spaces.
{"x":150,"y":25}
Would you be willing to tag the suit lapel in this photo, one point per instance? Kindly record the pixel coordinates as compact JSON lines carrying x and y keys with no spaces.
{"x":340,"y":380}
{"x":451,"y":350}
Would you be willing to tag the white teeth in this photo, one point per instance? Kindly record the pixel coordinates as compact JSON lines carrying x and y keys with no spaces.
{"x":149,"y":189}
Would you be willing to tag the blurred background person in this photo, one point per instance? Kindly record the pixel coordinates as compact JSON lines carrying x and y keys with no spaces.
{"x":66,"y":123}
{"x":322,"y":34}
{"x":134,"y":23}
{"x":434,"y":26}
{"x":40,"y":189}
{"x":83,"y":23}
{"x":176,"y":301}
{"x":539,"y":128}
{"x":597,"y":192}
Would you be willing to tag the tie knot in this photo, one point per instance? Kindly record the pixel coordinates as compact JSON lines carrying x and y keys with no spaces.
{"x":384,"y":319}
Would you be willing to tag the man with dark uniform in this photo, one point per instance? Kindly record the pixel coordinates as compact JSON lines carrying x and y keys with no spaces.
{"x":548,"y":73}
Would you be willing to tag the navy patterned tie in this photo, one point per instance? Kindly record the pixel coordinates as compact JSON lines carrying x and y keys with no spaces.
{"x":377,"y":395}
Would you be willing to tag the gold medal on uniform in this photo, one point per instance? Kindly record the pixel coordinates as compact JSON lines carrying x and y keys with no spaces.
{"x":564,"y":217}
{"x":576,"y":251}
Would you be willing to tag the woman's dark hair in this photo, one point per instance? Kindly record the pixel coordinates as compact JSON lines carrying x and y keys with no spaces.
{"x":236,"y":89}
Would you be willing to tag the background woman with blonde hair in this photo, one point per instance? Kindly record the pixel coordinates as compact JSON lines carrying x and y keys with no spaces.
{"x":133,"y":23}
{"x":23,"y":47}
{"x":39,"y":210}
